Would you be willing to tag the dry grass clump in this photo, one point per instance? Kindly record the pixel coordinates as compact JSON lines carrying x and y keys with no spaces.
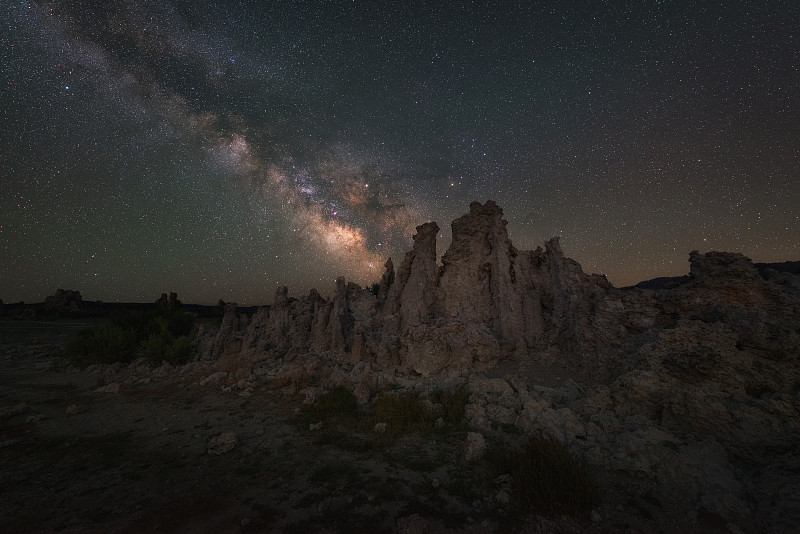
{"x":403,"y":412}
{"x":335,"y":403}
{"x":453,"y":403}
{"x":396,"y":413}
{"x":549,"y":479}
{"x":236,"y":365}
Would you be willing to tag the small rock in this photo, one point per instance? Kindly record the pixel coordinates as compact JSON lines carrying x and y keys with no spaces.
{"x":108,"y":388}
{"x":310,"y":396}
{"x":34,"y":418}
{"x":380,"y":428}
{"x":213,"y":379}
{"x":435,"y":483}
{"x":315,"y":426}
{"x":474,"y":447}
{"x":439,"y":423}
{"x":222,"y":444}
{"x":73,"y":409}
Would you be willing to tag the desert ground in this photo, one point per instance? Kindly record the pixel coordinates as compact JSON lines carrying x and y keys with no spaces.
{"x":126,"y":449}
{"x":132,"y":449}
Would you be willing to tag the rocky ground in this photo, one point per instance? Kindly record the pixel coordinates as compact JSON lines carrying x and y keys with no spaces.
{"x":215,"y":448}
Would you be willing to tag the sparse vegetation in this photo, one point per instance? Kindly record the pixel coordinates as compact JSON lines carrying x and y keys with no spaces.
{"x":453,"y":404}
{"x":102,"y":344}
{"x":156,"y":334}
{"x":548,"y":479}
{"x":337,"y":402}
{"x":402,"y":413}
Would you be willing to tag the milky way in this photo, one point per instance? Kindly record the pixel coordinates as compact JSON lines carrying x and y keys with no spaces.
{"x":222,"y":149}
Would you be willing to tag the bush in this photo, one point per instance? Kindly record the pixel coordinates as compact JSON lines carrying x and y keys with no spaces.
{"x":338,"y":401}
{"x":160,"y":335}
{"x":148,"y":321}
{"x":548,"y":479}
{"x":106,"y":344}
{"x":403,"y":413}
{"x":160,"y":348}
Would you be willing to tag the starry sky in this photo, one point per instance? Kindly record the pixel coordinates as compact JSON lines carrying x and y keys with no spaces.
{"x":221,"y":149}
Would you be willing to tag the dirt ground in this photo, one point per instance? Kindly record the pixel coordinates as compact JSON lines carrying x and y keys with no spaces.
{"x":75,"y":459}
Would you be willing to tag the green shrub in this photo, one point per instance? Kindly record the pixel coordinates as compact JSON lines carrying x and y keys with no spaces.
{"x":548,"y":479}
{"x":104,"y":344}
{"x":164,"y":345}
{"x":159,"y":334}
{"x":160,"y":348}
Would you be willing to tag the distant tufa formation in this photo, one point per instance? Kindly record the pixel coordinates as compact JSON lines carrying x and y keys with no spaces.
{"x":169,"y":303}
{"x":65,"y":301}
{"x":489,"y":302}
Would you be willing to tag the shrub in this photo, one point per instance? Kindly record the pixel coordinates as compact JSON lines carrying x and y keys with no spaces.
{"x":105,"y":344}
{"x":160,"y":334}
{"x":160,"y":348}
{"x":548,"y":479}
{"x":338,"y":401}
{"x":147,"y":321}
{"x":403,"y":413}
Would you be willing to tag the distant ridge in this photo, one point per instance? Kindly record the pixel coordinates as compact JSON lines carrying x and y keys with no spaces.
{"x":668,"y":282}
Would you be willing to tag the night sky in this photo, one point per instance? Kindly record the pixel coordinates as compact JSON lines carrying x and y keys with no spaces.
{"x":219,"y":149}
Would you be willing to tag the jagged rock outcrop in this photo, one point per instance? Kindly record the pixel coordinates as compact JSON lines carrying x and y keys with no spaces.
{"x":488,"y":302}
{"x":413,"y":292}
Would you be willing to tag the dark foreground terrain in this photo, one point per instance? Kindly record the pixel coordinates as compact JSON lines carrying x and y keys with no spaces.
{"x":132,"y":449}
